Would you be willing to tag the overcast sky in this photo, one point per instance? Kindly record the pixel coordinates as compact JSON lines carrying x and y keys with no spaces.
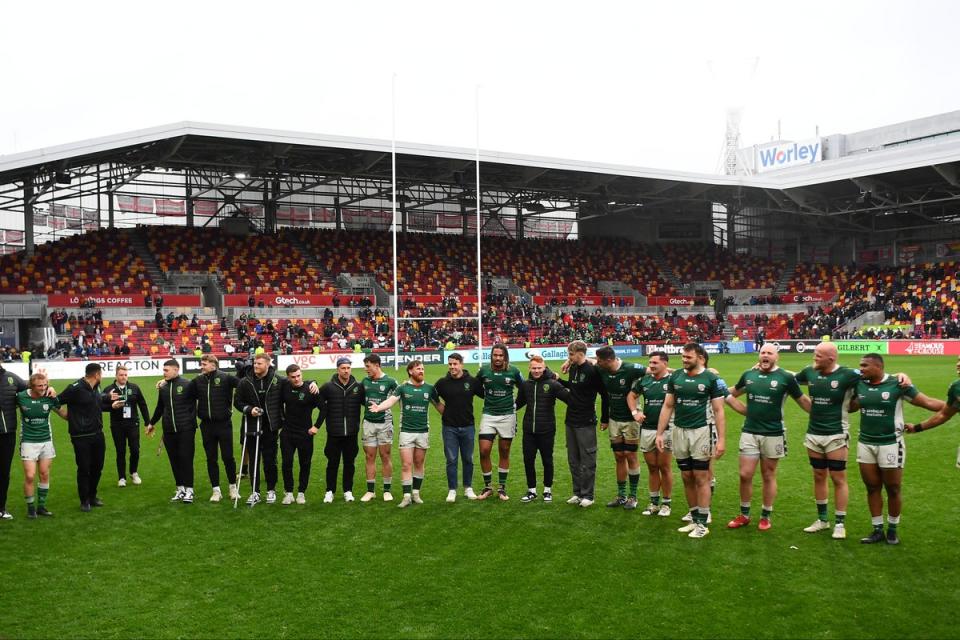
{"x":635,"y":83}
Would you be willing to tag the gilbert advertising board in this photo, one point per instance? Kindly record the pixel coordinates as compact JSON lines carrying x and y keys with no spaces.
{"x":843,"y":346}
{"x":74,"y":369}
{"x":19,"y":368}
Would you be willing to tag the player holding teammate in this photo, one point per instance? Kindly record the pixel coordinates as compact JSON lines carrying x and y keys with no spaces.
{"x":880,"y":448}
{"x":377,"y":428}
{"x":763,"y":439}
{"x":695,"y":396}
{"x":498,"y":380}
{"x":618,"y":377}
{"x":653,"y":389}
{"x":414,"y":429}
{"x":36,"y":442}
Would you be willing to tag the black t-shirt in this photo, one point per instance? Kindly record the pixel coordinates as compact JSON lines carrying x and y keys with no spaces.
{"x":457,"y":395}
{"x":298,"y":407}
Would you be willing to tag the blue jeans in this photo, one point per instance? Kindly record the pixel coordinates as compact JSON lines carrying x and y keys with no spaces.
{"x":458,"y":440}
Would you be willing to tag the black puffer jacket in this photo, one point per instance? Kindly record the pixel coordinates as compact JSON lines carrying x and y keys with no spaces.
{"x":10,"y":385}
{"x":177,"y":406}
{"x":215,"y":395}
{"x":344,"y":404}
{"x":248,"y":396}
{"x":540,"y":397}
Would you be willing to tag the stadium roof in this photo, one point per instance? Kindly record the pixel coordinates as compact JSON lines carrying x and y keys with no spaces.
{"x":919,"y":181}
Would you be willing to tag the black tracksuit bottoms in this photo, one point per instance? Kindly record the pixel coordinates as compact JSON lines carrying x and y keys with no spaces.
{"x":541,"y":443}
{"x":338,"y":447}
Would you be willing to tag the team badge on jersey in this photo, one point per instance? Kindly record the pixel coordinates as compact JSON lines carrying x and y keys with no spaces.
{"x":46,"y":407}
{"x":700,"y":387}
{"x":885,"y":395}
{"x":426,"y":396}
{"x":9,"y":379}
{"x":622,"y":382}
{"x":665,"y":387}
{"x":834,"y":384}
{"x":773,"y":384}
{"x":466,"y":385}
{"x":216,"y":382}
{"x":300,"y":395}
{"x":179,"y":389}
{"x":546,"y":388}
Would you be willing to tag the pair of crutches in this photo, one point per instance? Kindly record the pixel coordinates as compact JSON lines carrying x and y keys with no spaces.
{"x":243,"y":457}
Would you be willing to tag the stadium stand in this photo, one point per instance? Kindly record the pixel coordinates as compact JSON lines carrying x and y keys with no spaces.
{"x":695,"y":262}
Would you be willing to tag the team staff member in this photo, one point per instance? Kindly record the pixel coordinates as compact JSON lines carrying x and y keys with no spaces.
{"x":177,"y":409}
{"x":36,"y":442}
{"x":498,"y":419}
{"x":344,"y":399}
{"x":85,"y":406}
{"x":377,"y":428}
{"x":10,"y":385}
{"x":296,"y":434}
{"x":585,"y":384}
{"x":214,"y":392}
{"x":618,"y":378}
{"x":539,"y":393}
{"x":125,"y":424}
{"x":653,"y":389}
{"x":453,"y":397}
{"x":880,"y":447}
{"x":415,"y":395}
{"x":258,"y":399}
{"x":695,"y":395}
{"x":763,"y":439}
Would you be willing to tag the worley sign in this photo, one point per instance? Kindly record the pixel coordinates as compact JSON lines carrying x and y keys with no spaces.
{"x":788,"y":154}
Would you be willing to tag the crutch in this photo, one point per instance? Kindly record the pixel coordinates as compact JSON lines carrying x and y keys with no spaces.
{"x":256,"y":460}
{"x":243,"y":455}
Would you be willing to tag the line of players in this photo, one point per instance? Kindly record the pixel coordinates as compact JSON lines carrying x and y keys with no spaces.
{"x":682,"y":417}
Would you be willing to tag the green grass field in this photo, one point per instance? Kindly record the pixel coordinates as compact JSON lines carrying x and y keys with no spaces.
{"x":143,"y":567}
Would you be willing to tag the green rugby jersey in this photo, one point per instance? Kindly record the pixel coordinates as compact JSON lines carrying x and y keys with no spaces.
{"x":618,"y":385}
{"x":416,"y":404}
{"x":653,"y":391}
{"x":692,"y":396}
{"x":766,"y":395}
{"x":377,"y":390}
{"x":881,"y":410}
{"x":953,"y":395}
{"x":498,"y":387}
{"x":829,"y":398}
{"x":35,"y":417}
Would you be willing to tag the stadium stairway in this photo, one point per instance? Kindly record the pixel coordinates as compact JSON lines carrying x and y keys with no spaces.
{"x":139,"y":243}
{"x":786,"y":277}
{"x":656,"y":252}
{"x":308,"y":254}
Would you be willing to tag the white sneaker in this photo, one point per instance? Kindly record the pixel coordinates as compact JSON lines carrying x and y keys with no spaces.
{"x":452,"y":495}
{"x":687,"y":518}
{"x":348,"y":496}
{"x":469,"y":494}
{"x":328,"y":497}
{"x":839,"y":532}
{"x":271,"y":496}
{"x":216,"y":496}
{"x":406,"y":502}
{"x":699,"y":531}
{"x":253,"y":499}
{"x":687,"y":528}
{"x":234,"y":492}
{"x":178,"y":496}
{"x":188,"y":496}
{"x":4,"y":515}
{"x":368,"y":496}
{"x":585,"y":502}
{"x":416,"y":497}
{"x":664,"y":510}
{"x":818,"y":525}
{"x":287,"y":498}
{"x":301,"y":499}
{"x":135,"y":478}
{"x":122,"y":482}
{"x":651,"y":510}
{"x":387,"y":496}
{"x":573,"y":500}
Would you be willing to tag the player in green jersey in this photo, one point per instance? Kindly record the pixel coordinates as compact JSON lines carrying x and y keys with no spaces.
{"x":950,"y":409}
{"x":880,"y":448}
{"x":498,"y":380}
{"x":414,"y":429}
{"x":653,"y":389}
{"x":695,"y":396}
{"x":36,"y":442}
{"x":377,"y":428}
{"x":763,"y":440}
{"x":618,"y":378}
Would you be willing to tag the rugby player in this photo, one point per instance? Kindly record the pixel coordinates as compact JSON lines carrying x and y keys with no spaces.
{"x":36,"y":442}
{"x":497,"y":382}
{"x":377,"y":428}
{"x":653,"y":389}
